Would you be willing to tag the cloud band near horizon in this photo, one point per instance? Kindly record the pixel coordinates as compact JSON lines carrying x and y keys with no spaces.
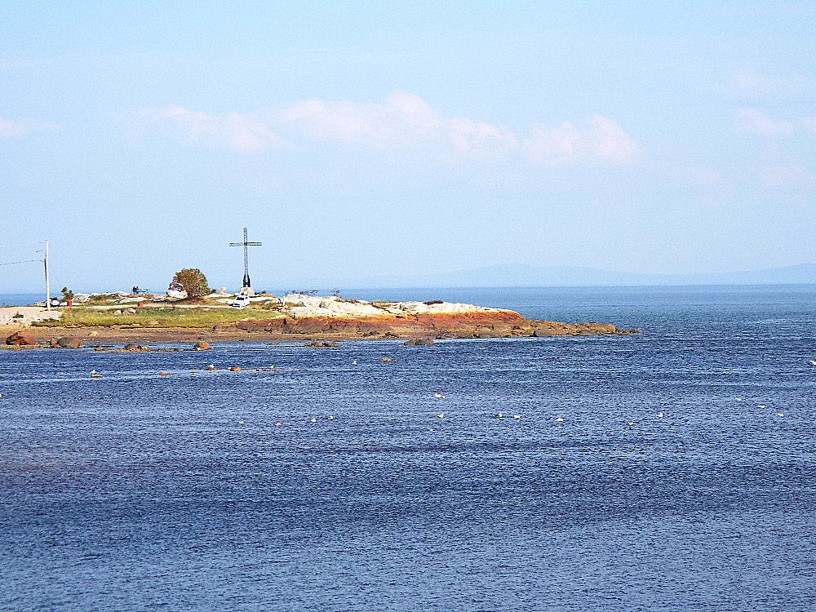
{"x":403,"y":122}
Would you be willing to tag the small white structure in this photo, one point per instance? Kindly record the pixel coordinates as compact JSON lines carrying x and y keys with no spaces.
{"x":241,"y":301}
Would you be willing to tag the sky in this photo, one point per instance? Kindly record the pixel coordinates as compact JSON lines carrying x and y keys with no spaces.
{"x":362,"y":140}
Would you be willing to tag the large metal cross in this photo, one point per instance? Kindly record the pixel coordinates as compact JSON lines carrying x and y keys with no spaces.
{"x":246,"y":244}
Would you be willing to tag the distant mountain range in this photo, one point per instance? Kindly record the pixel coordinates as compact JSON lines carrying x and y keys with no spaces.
{"x":520,"y":275}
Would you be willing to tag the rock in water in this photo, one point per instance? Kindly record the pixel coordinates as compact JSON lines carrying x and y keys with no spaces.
{"x":69,"y":342}
{"x":135,"y":347}
{"x":21,"y":338}
{"x":420,"y":341}
{"x":201,"y":345}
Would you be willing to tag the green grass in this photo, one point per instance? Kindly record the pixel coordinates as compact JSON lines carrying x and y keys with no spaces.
{"x":155,"y":317}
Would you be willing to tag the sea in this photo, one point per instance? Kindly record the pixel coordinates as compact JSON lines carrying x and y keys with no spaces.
{"x":674,"y":469}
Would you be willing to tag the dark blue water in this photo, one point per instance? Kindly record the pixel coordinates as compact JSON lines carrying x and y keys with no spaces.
{"x":215,"y":490}
{"x":20,"y":299}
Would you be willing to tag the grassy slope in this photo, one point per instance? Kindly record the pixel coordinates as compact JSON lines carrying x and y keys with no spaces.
{"x":154,"y":316}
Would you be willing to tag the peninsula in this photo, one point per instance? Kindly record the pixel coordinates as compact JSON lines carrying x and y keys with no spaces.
{"x":295,"y":316}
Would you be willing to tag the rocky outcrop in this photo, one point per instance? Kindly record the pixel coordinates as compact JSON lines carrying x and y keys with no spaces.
{"x":21,"y":338}
{"x":492,"y":323}
{"x":487,"y":324}
{"x":556,"y":328}
{"x":303,"y":306}
{"x":324,"y":319}
{"x":69,"y":342}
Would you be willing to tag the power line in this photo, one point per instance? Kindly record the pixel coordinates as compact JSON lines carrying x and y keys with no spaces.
{"x":14,"y":263}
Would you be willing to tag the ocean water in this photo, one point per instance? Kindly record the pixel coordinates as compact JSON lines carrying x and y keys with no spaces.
{"x":20,"y":299}
{"x":674,"y":469}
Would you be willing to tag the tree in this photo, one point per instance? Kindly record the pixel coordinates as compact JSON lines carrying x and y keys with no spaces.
{"x":67,"y":294}
{"x":192,"y":281}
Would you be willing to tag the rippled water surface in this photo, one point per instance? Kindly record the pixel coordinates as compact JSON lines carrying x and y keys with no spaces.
{"x":672,"y":469}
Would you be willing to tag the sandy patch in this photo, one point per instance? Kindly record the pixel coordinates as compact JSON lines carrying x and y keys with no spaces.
{"x":30,"y":315}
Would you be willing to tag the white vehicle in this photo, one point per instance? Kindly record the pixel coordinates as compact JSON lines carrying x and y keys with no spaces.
{"x":241,"y":301}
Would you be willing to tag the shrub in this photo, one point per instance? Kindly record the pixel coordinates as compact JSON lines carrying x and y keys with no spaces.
{"x":191,"y":281}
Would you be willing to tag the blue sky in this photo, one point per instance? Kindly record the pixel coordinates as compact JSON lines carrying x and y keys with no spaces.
{"x":366,"y":139}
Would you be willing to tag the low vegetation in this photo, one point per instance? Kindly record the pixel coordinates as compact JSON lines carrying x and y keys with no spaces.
{"x":192,"y":282}
{"x":103,"y":298}
{"x":153,"y":316}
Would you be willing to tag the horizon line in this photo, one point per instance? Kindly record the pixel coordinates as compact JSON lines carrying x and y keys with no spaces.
{"x":483,"y":287}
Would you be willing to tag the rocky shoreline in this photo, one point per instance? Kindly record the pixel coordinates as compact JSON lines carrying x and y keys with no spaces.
{"x":316,"y":319}
{"x":504,"y":324}
{"x":491,"y":324}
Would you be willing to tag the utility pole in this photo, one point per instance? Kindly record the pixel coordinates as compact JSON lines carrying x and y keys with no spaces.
{"x":47,"y":280}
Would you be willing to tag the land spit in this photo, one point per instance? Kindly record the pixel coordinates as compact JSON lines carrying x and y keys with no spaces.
{"x":309,"y":318}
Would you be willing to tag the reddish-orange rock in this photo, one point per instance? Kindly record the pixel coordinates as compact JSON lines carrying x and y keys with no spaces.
{"x":481,"y":324}
{"x":21,"y":338}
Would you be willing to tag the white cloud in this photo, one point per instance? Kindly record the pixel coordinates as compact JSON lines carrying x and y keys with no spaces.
{"x":467,"y":135}
{"x":602,"y":140}
{"x":10,"y":128}
{"x":404,"y":121}
{"x":247,"y":133}
{"x":753,"y":121}
{"x":239,"y":132}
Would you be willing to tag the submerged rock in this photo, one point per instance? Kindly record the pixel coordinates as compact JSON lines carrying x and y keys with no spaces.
{"x":420,"y":342}
{"x":135,"y":347}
